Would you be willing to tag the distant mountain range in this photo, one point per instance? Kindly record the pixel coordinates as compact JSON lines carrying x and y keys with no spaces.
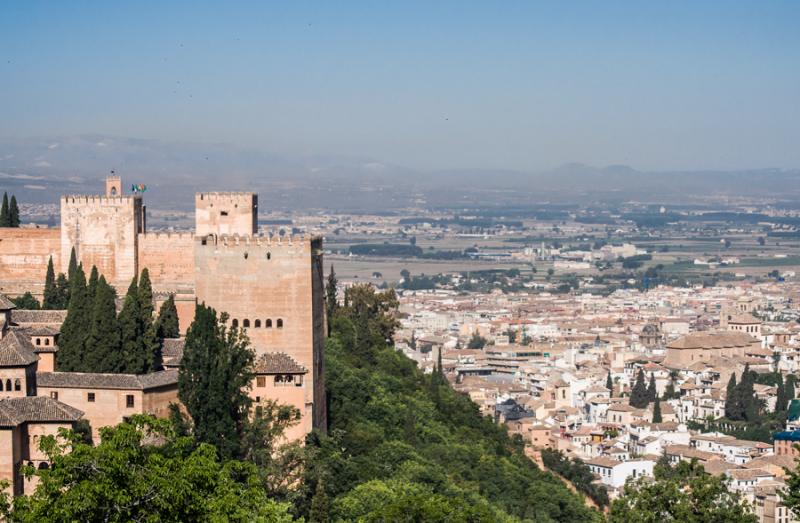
{"x":40,"y":169}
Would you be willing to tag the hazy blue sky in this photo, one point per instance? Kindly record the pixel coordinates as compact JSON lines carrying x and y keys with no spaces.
{"x":522,"y":85}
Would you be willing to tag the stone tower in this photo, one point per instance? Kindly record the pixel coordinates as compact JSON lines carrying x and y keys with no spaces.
{"x":104,"y":232}
{"x":224,"y":213}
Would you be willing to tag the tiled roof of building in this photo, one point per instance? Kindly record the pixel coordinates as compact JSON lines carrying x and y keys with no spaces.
{"x":14,"y":411}
{"x":172,"y":351}
{"x":713,"y":340}
{"x":6,"y":304}
{"x":715,"y":467}
{"x":90,"y":380}
{"x":278,"y":363}
{"x":24,"y":317}
{"x":16,"y":350}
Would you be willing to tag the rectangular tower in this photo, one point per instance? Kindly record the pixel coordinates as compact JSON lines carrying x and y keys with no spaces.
{"x":274,"y":289}
{"x":226,"y":213}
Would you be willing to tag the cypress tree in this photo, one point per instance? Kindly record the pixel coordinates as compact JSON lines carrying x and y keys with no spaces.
{"x":657,"y":410}
{"x":639,"y":392}
{"x":151,"y":348}
{"x":320,"y":505}
{"x":73,"y":264}
{"x":91,"y":287}
{"x":331,"y":303}
{"x":781,"y":401}
{"x":5,"y":218}
{"x":103,"y":344}
{"x":75,"y":328}
{"x":167,"y":325}
{"x":51,"y":298}
{"x":215,"y":374}
{"x":652,"y":392}
{"x":62,"y":286}
{"x":789,"y":387}
{"x":610,"y":383}
{"x":748,"y":403}
{"x":13,"y":213}
{"x":132,"y":359}
{"x":669,"y":392}
{"x":732,"y":399}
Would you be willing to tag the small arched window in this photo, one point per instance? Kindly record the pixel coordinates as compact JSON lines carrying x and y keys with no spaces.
{"x":280,"y":323}
{"x":43,"y":465}
{"x":258,"y":324}
{"x":278,"y":379}
{"x":8,"y":384}
{"x":1,"y":385}
{"x":47,"y":341}
{"x":269,"y":255}
{"x":38,"y":341}
{"x":17,"y":384}
{"x":235,"y":322}
{"x":269,"y":324}
{"x":245,"y":323}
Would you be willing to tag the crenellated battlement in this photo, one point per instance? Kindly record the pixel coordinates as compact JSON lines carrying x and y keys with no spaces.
{"x":167,"y":235}
{"x":258,"y":240}
{"x":83,"y":199}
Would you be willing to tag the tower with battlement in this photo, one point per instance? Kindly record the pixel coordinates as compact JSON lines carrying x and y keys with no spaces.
{"x":226,"y":213}
{"x":104,"y":232}
{"x":273,"y":288}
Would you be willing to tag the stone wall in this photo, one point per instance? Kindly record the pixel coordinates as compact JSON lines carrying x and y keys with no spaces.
{"x":273,"y":288}
{"x":169,"y":257}
{"x":104,"y":232}
{"x":24,"y":254}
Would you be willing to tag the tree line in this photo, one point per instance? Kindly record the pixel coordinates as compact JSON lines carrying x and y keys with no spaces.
{"x":9,"y":212}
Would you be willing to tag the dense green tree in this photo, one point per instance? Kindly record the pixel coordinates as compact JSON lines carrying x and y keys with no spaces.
{"x":142,"y":471}
{"x":26,"y":301}
{"x":133,"y":357}
{"x":331,"y":300}
{"x":476,"y":341}
{"x":167,"y":325}
{"x":62,"y":286}
{"x":749,"y":403}
{"x":151,"y":347}
{"x":5,"y":218}
{"x":76,"y":326}
{"x":732,"y":411}
{"x":13,"y":213}
{"x":669,"y":392}
{"x":51,"y":299}
{"x":102,"y":348}
{"x":215,"y":375}
{"x":791,"y":494}
{"x":684,"y":494}
{"x":610,"y":383}
{"x":789,"y":387}
{"x":781,"y":401}
{"x":320,"y":505}
{"x":73,"y":264}
{"x":639,"y":398}
{"x":657,"y":411}
{"x":652,"y":391}
{"x":91,"y":285}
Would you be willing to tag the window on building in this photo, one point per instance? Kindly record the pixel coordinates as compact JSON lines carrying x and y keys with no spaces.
{"x":269,"y":324}
{"x":258,"y":324}
{"x":223,"y":213}
{"x":279,"y":323}
{"x":246,"y":323}
{"x":129,"y":401}
{"x":54,"y":394}
{"x":90,"y":397}
{"x":258,"y":399}
{"x":17,"y":384}
{"x":235,"y":322}
{"x":269,"y":255}
{"x":47,"y":341}
{"x":38,"y":341}
{"x":8,"y":384}
{"x":261,"y":381}
{"x":298,"y":381}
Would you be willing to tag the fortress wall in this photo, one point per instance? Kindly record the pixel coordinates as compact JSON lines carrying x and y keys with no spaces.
{"x":169,"y":257}
{"x":258,"y":278}
{"x":24,"y":254}
{"x":104,"y":232}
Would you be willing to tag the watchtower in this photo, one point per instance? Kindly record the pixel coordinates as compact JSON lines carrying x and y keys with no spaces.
{"x":226,"y":213}
{"x":113,"y":185}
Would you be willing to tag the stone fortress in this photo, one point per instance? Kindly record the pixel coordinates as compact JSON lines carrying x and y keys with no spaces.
{"x":271,"y":286}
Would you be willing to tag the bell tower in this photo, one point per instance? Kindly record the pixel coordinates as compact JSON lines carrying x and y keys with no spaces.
{"x":113,"y":185}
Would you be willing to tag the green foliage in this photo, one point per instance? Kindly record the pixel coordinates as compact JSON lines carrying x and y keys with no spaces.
{"x":791,"y":494}
{"x":331,"y":302}
{"x":476,"y":341}
{"x":610,"y":384}
{"x":51,"y":299}
{"x":404,"y":446}
{"x":151,"y":347}
{"x":684,"y":494}
{"x":76,"y":326}
{"x":5,"y":216}
{"x":657,"y":411}
{"x":167,"y":325}
{"x":26,"y":301}
{"x":577,"y":473}
{"x":639,"y":395}
{"x":652,"y":391}
{"x":215,"y":375}
{"x":102,"y":347}
{"x":13,"y":213}
{"x":128,"y":477}
{"x":741,"y":403}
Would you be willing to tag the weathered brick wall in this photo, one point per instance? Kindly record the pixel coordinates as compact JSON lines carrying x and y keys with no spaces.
{"x":24,"y":254}
{"x":169,"y":257}
{"x":268,"y":279}
{"x":226,"y":213}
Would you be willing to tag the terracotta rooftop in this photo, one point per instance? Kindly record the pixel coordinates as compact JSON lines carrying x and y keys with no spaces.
{"x":16,"y":350}
{"x":278,"y":363}
{"x":23,"y":317}
{"x":14,"y":411}
{"x":712,"y":340}
{"x":90,"y":380}
{"x":6,"y":304}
